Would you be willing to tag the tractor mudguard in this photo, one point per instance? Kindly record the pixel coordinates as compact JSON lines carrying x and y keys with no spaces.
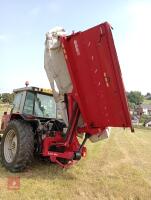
{"x":96,"y":77}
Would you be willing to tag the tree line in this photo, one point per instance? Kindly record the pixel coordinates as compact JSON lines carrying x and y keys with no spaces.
{"x":6,"y":98}
{"x":135,"y":98}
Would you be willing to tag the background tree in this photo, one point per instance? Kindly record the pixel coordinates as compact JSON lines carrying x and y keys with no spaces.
{"x":144,"y":118}
{"x":148,"y":96}
{"x":7,"y":98}
{"x":132,"y":105}
{"x":135,"y":97}
{"x":1,"y":98}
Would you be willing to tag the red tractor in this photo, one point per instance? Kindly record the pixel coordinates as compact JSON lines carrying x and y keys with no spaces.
{"x":97,"y":96}
{"x":30,"y":128}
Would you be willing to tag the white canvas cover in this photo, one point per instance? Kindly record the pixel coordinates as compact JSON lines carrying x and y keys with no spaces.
{"x":54,"y":62}
{"x":56,"y":69}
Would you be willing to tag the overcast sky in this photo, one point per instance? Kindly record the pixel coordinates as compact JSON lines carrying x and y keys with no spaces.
{"x":23,"y":25}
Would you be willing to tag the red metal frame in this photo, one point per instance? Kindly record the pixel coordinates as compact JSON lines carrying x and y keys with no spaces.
{"x":96,"y":77}
{"x":98,"y":90}
{"x":70,"y":144}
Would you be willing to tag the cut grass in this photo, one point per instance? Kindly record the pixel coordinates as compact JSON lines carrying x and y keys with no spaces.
{"x":147,"y":101}
{"x":118,"y":168}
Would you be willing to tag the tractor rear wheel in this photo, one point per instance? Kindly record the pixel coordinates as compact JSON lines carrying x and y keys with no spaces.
{"x":17,"y":146}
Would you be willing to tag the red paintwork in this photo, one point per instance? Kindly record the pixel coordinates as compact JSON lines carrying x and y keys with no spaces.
{"x":96,"y":77}
{"x":70,"y":105}
{"x":70,"y":143}
{"x":68,"y":152}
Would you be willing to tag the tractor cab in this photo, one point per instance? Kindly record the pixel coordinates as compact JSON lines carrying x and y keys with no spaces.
{"x":34,"y":102}
{"x":34,"y":105}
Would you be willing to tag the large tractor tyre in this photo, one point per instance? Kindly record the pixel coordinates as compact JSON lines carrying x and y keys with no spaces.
{"x":17,"y":146}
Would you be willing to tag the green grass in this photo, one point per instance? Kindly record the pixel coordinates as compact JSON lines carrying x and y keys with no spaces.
{"x":146,"y":101}
{"x":118,"y":168}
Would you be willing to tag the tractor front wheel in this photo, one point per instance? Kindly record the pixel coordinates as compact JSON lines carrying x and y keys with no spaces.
{"x":17,"y":146}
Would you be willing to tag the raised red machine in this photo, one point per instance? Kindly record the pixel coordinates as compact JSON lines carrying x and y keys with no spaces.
{"x":98,"y":97}
{"x":98,"y":93}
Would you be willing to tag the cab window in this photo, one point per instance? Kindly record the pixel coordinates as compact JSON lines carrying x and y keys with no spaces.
{"x":45,"y":106}
{"x":17,"y":102}
{"x":29,"y":103}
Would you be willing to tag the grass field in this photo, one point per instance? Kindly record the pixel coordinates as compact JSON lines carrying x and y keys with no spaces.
{"x":115,"y":169}
{"x":146,"y":101}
